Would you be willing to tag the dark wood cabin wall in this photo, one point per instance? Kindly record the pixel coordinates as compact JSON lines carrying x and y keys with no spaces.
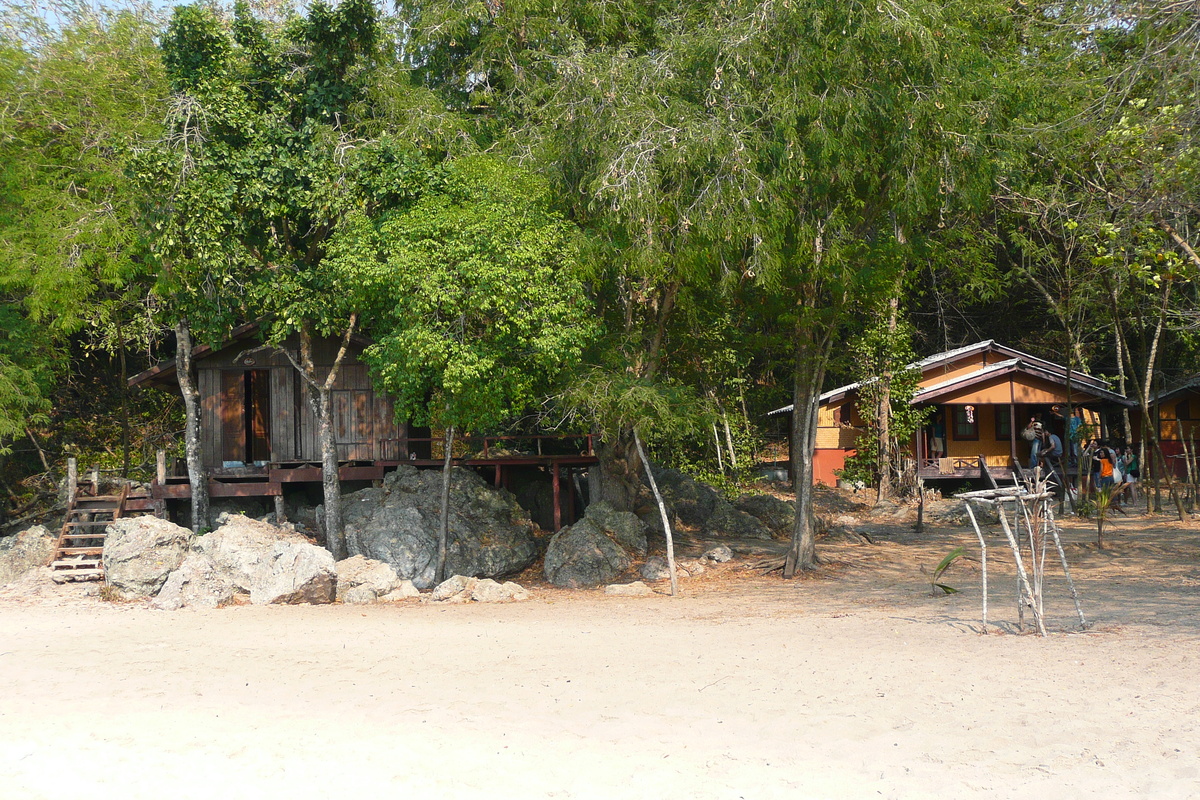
{"x":362,"y":419}
{"x":283,"y":414}
{"x":208,"y":382}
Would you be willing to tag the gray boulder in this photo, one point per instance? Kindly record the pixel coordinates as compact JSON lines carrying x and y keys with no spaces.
{"x":140,"y":552}
{"x":364,"y":580}
{"x":778,"y":515}
{"x":595,"y":550}
{"x":25,"y":551}
{"x":697,"y":504}
{"x":490,"y":534}
{"x":688,"y":499}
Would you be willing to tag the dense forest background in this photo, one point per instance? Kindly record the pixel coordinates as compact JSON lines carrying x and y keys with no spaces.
{"x":711,"y":209}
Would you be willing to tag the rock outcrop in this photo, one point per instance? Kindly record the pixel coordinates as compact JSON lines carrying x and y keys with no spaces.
{"x":595,"y":550}
{"x":25,"y":551}
{"x":490,"y":534}
{"x":698,"y":505}
{"x":247,"y":557}
{"x":140,"y":552}
{"x":779,"y":516}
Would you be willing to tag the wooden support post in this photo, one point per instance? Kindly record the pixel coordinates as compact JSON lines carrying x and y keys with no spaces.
{"x":160,"y":479}
{"x":280,"y":510}
{"x":557,"y":498}
{"x":72,"y":481}
{"x":498,"y":479}
{"x":570,"y":496}
{"x":95,"y":477}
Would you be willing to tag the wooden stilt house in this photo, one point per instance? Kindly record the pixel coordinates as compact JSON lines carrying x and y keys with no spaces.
{"x":259,"y":430}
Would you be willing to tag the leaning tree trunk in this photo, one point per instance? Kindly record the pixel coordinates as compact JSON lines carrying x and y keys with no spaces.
{"x":662,"y":512}
{"x":197,"y":476}
{"x":812,"y":355}
{"x":444,"y":522}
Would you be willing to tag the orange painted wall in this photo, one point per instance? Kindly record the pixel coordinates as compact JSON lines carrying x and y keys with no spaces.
{"x":825,"y":461}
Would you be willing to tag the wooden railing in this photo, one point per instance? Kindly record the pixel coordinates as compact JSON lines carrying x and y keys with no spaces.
{"x":494,"y":447}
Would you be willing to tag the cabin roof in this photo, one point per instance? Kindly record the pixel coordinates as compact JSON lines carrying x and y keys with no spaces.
{"x":1017,"y":361}
{"x":162,"y":374}
{"x":1192,"y":384}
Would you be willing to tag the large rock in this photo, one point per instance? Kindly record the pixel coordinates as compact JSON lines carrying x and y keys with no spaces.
{"x":363,"y":580}
{"x":295,"y":572}
{"x":691,"y":501}
{"x":490,"y":535}
{"x":197,"y":583}
{"x":726,"y":522}
{"x":595,"y":550}
{"x":25,"y":551}
{"x":697,"y":504}
{"x":778,"y":515}
{"x":140,"y":552}
{"x":248,"y":557}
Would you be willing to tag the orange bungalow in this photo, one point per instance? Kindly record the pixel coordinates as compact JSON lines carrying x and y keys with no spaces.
{"x":984,"y":395}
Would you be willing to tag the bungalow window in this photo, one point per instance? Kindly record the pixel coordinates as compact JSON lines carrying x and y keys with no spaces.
{"x":966,"y":423}
{"x":1182,"y":411}
{"x":1003,"y":423}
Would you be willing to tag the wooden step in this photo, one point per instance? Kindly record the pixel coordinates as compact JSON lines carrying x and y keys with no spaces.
{"x":81,"y":551}
{"x":67,"y":575}
{"x":76,"y":563}
{"x":104,"y":523}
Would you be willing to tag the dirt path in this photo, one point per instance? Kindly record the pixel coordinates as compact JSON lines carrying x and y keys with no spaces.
{"x":855,"y":683}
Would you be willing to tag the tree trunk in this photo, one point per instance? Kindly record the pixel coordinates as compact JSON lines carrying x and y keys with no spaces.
{"x":812,"y":356}
{"x":197,"y":475}
{"x":321,"y":397}
{"x":884,"y":453}
{"x":1150,"y":423}
{"x":124,"y":390}
{"x":444,"y":522}
{"x":618,"y":468}
{"x":662,"y":511}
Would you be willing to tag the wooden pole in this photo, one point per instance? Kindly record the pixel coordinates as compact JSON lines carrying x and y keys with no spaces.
{"x":982,"y":559}
{"x":160,"y":480}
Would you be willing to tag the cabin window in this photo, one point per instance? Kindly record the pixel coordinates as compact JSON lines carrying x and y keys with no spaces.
{"x":1182,"y":410}
{"x":1003,"y":423}
{"x":966,"y":423}
{"x":841,"y":415}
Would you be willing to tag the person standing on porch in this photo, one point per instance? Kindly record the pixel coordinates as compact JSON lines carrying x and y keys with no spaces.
{"x":937,"y":437}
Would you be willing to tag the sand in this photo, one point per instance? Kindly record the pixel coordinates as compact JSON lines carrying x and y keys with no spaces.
{"x":852,"y":683}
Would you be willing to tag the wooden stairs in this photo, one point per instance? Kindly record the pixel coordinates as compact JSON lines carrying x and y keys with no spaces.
{"x":80,"y":546}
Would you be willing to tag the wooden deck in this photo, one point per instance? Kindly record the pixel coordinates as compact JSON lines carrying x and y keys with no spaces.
{"x":494,"y":454}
